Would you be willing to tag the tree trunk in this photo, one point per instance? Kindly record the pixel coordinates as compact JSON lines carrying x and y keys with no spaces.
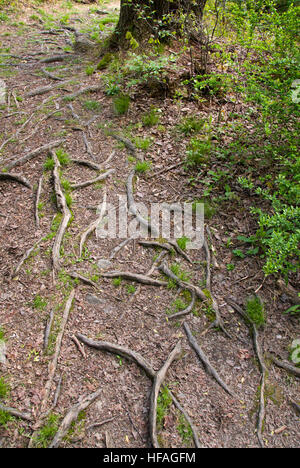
{"x":155,"y":18}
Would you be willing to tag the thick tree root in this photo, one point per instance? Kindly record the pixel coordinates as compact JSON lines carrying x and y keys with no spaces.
{"x":262,"y":367}
{"x":72,"y":415}
{"x":139,"y":278}
{"x":63,"y":208}
{"x":16,"y":413}
{"x":284,"y":365}
{"x":92,"y":181}
{"x":25,"y":257}
{"x":157,"y":377}
{"x":15,"y":178}
{"x":121,"y":351}
{"x":158,"y":380}
{"x":208,"y":367}
{"x":32,"y":154}
{"x":93,"y":225}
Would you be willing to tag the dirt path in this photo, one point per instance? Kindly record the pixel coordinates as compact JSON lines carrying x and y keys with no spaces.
{"x":121,"y":312}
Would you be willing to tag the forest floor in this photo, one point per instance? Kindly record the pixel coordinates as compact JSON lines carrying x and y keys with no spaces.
{"x":45,"y":383}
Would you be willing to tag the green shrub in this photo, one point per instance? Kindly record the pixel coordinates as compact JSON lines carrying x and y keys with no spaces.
{"x":121,"y":104}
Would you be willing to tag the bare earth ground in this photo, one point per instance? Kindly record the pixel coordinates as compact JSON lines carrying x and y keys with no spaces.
{"x":114,"y":314}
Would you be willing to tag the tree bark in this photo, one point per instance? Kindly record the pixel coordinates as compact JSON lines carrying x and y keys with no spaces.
{"x":147,"y":18}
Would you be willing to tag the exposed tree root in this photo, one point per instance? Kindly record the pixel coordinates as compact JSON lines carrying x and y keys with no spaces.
{"x":16,"y":413}
{"x":284,"y":365}
{"x":25,"y":257}
{"x":157,"y":377}
{"x":46,"y":89}
{"x":186,"y":311}
{"x":56,"y":58}
{"x":72,"y":415}
{"x":92,"y":181}
{"x":139,"y":278}
{"x":198,"y":292}
{"x":32,"y":154}
{"x":166,"y":169}
{"x":88,"y":89}
{"x":82,"y":278}
{"x":121,"y":351}
{"x":132,"y":206}
{"x":190,"y":422}
{"x":53,"y":363}
{"x":130,"y":146}
{"x":262,"y":367}
{"x":15,"y":178}
{"x":93,"y":225}
{"x":48,"y":329}
{"x":208,"y":367}
{"x":36,"y":202}
{"x":117,"y":249}
{"x":101,"y":423}
{"x":51,"y":76}
{"x":157,"y":382}
{"x":90,"y":164}
{"x":63,"y":208}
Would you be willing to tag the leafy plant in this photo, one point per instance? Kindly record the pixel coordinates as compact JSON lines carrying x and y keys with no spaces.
{"x":151,"y":118}
{"x":255,"y":311}
{"x":142,"y":166}
{"x":121,"y":104}
{"x":48,"y":431}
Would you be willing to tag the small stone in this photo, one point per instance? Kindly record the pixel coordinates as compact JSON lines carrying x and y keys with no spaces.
{"x":91,"y":299}
{"x":103,"y":263}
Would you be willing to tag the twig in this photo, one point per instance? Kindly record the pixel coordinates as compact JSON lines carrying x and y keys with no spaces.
{"x":208,"y":367}
{"x":92,"y":426}
{"x":166,"y":169}
{"x":79,"y":346}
